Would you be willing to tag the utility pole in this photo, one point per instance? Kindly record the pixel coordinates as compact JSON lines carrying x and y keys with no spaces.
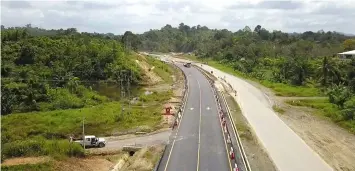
{"x":128,"y":89}
{"x":122,"y":87}
{"x":83,"y":132}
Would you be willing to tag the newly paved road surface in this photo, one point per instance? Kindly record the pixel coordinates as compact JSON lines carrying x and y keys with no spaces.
{"x":199,"y":143}
{"x":146,"y":140}
{"x":288,"y":151}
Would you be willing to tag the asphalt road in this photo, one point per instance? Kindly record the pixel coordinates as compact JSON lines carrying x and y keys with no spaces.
{"x":288,"y":151}
{"x":198,"y":143}
{"x":146,"y":140}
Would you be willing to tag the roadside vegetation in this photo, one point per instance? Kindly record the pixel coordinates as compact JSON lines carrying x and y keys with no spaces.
{"x":30,"y":167}
{"x":278,"y":109}
{"x":162,"y":69}
{"x":297,"y":64}
{"x":49,"y":84}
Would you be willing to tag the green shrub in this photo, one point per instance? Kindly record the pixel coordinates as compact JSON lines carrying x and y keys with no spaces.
{"x":324,"y":108}
{"x":40,"y":146}
{"x":29,"y":167}
{"x":278,"y":109}
{"x":163,"y":70}
{"x":23,"y":148}
{"x":61,"y":98}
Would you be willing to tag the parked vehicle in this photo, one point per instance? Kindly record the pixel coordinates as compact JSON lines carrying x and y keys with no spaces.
{"x":92,"y":141}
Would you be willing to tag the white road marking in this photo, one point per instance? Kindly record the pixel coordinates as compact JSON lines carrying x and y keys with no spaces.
{"x":192,"y":108}
{"x":208,"y":108}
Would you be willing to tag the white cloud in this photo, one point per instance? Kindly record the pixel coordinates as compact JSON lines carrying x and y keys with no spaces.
{"x":142,"y":15}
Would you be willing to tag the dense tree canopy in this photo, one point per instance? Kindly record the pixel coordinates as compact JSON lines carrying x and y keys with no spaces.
{"x":47,"y":69}
{"x":299,"y":59}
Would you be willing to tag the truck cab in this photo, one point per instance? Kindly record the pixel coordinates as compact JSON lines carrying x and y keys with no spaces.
{"x":187,"y":65}
{"x":92,"y":141}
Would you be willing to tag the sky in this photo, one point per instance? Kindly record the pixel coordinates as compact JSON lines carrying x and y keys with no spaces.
{"x":138,"y":16}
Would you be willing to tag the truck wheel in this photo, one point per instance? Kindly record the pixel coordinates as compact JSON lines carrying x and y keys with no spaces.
{"x":101,"y":145}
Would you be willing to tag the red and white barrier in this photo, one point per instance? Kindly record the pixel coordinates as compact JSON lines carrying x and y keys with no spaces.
{"x":229,"y":139}
{"x":235,"y":167}
{"x":231,"y":153}
{"x":225,"y":129}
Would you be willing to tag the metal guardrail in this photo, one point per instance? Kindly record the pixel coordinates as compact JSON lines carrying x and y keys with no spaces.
{"x":181,"y":107}
{"x":240,"y":145}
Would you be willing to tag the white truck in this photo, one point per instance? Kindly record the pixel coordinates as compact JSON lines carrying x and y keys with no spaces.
{"x":92,"y":141}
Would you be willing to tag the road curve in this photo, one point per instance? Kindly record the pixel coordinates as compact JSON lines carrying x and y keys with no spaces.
{"x":288,"y":151}
{"x":198,"y":143}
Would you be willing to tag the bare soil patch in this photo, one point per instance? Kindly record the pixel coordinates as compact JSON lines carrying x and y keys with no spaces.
{"x":25,"y":160}
{"x":86,"y":164}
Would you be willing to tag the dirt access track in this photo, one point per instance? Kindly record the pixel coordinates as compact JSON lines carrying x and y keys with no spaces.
{"x":332,"y":143}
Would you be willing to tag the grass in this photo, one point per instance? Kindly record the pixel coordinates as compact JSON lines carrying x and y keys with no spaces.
{"x":23,"y":129}
{"x":278,"y":109}
{"x":40,"y":147}
{"x":326,"y":109}
{"x":161,"y":69}
{"x":289,"y":90}
{"x":29,"y":167}
{"x":280,"y":89}
{"x":239,"y":120}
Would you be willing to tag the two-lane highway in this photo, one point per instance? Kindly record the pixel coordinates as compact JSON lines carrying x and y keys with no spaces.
{"x":198,"y":143}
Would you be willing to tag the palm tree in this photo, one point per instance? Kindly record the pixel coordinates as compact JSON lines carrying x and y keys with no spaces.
{"x":327,"y":70}
{"x":73,"y":83}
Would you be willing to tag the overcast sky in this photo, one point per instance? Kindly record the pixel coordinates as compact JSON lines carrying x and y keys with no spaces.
{"x":141,"y":15}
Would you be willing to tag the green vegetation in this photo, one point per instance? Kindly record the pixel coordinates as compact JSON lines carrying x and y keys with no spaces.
{"x":291,"y":64}
{"x":326,"y":109}
{"x":29,"y":167}
{"x":162,"y":69}
{"x":48,"y":81}
{"x":278,"y":109}
{"x":239,"y":120}
{"x":40,"y":146}
{"x":281,"y":89}
{"x":36,"y":129}
{"x":41,"y":73}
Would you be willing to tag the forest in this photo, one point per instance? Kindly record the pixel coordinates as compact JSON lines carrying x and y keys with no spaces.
{"x":293,"y":64}
{"x":45,"y":70}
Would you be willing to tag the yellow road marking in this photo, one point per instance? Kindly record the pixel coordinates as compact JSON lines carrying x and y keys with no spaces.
{"x":199,"y":130}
